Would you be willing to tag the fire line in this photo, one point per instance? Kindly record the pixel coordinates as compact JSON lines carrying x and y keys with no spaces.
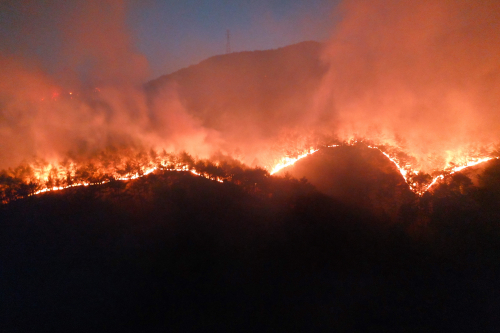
{"x":406,"y":171}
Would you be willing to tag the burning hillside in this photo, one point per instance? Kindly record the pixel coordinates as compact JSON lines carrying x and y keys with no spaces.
{"x":160,"y":250}
{"x":427,"y":101}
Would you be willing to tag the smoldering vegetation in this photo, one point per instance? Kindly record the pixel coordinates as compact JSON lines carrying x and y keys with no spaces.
{"x":92,"y":96}
{"x":172,"y":251}
{"x":249,"y":105}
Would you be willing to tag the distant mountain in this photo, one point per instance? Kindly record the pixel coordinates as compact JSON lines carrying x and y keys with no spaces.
{"x":248,"y":96}
{"x":254,"y":90}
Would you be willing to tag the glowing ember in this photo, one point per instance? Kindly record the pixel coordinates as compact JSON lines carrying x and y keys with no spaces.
{"x":434,"y":181}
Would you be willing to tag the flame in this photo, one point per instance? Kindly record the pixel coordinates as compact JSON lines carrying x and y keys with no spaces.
{"x":132,"y":177}
{"x":460,"y":168}
{"x":402,"y":171}
{"x":51,"y":171}
{"x":404,"y":168}
{"x":48,"y":177}
{"x":287,"y":161}
{"x":472,"y":163}
{"x":434,"y":181}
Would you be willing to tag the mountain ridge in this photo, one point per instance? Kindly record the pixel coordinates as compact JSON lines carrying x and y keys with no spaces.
{"x":258,"y":93}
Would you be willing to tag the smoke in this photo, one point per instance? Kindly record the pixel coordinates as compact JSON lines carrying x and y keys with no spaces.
{"x":422,"y":74}
{"x":93,"y":98}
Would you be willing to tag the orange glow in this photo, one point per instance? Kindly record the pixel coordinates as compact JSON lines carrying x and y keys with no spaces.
{"x":471,"y":163}
{"x":459,"y":168}
{"x":287,"y":161}
{"x":405,"y":169}
{"x":419,"y":80}
{"x":57,"y":174}
{"x":55,"y":177}
{"x":434,"y":181}
{"x":402,"y":170}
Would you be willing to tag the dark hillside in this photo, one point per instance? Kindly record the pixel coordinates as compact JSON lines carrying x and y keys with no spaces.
{"x":175,"y":252}
{"x":356,"y":175}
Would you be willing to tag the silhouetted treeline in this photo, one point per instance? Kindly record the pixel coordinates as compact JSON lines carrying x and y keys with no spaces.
{"x":458,"y":214}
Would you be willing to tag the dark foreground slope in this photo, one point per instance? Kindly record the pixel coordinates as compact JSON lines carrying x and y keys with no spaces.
{"x":174,"y":252}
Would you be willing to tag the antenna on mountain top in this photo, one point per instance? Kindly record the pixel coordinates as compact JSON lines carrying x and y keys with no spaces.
{"x":228,"y":41}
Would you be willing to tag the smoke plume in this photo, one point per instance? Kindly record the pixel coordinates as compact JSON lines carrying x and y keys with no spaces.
{"x":422,"y":74}
{"x":93,"y":99}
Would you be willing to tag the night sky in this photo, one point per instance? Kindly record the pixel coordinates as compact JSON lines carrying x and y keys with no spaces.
{"x":169,"y":34}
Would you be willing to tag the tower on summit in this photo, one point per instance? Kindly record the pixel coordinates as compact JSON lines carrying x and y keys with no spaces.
{"x":228,"y":41}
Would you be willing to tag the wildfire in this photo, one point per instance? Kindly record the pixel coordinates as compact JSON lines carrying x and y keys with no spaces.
{"x":184,"y":168}
{"x":405,"y":169}
{"x":460,"y":168}
{"x":287,"y":161}
{"x":402,"y":171}
{"x":41,"y":177}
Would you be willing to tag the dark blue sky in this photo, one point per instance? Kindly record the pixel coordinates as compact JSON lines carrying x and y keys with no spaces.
{"x":170,"y":34}
{"x":174,"y":34}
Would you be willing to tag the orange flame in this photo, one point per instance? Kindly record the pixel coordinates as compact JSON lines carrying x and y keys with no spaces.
{"x":43,"y":174}
{"x":287,"y":161}
{"x":53,"y":175}
{"x":405,"y":170}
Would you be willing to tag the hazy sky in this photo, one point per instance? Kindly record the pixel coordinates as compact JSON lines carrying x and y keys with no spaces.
{"x":170,"y":34}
